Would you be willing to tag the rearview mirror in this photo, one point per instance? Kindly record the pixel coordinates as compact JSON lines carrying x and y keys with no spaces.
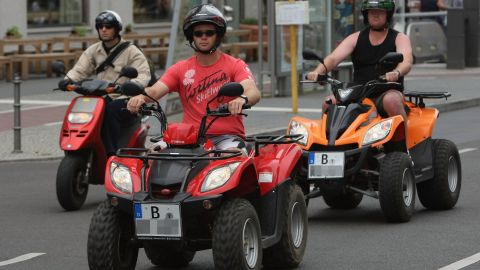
{"x":311,"y":55}
{"x":231,"y":89}
{"x":129,"y":72}
{"x":58,"y":67}
{"x":391,"y":58}
{"x":132,"y":89}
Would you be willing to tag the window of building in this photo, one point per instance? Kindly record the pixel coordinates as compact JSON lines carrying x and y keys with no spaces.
{"x":48,"y":13}
{"x":151,"y":11}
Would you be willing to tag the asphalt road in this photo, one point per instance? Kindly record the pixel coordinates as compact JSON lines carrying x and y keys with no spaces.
{"x":33,"y":223}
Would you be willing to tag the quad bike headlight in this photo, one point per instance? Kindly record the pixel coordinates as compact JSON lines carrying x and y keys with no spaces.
{"x":296,"y":128}
{"x":378,"y":132}
{"x":345,"y":93}
{"x":121,"y":177}
{"x":79,"y":117}
{"x":218,"y":177}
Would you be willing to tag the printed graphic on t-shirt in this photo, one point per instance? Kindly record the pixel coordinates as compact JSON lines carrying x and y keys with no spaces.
{"x":205,"y":88}
{"x":189,"y":77}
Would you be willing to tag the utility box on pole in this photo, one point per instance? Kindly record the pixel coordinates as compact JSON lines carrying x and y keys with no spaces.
{"x":456,"y":42}
{"x":471,"y":9}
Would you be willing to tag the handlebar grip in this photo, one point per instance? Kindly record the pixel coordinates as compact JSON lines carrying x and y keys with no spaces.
{"x":71,"y":87}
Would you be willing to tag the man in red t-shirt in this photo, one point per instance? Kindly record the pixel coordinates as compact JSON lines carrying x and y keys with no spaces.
{"x":198,"y":78}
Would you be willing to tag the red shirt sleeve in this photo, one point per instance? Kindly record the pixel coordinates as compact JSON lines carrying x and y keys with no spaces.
{"x":242,"y":71}
{"x":171,"y":78}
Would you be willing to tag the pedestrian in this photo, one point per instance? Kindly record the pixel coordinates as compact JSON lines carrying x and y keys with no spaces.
{"x":198,"y":78}
{"x":432,"y":6}
{"x":92,"y":61}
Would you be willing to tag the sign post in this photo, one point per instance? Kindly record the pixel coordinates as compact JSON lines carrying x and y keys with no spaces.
{"x":292,"y":13}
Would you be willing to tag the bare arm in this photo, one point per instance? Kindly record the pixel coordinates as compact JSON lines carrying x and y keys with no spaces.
{"x":343,"y":50}
{"x":404,"y":46}
{"x":251,"y":91}
{"x":441,"y":5}
{"x":156,"y":91}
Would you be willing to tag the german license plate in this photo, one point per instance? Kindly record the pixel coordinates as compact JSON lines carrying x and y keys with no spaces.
{"x":155,"y":220}
{"x":326,"y":164}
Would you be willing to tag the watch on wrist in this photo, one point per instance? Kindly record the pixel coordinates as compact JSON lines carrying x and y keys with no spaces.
{"x":245,"y":98}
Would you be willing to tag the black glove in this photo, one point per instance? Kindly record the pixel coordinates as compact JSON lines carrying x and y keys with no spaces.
{"x":62,"y":85}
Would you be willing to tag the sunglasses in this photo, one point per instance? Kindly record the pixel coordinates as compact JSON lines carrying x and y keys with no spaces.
{"x":208,"y":33}
{"x":100,"y":26}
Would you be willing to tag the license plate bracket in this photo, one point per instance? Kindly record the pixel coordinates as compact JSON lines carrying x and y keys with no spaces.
{"x":322,"y":165}
{"x":157,"y":220}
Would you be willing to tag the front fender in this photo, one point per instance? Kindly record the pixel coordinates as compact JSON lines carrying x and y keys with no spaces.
{"x":275,"y":164}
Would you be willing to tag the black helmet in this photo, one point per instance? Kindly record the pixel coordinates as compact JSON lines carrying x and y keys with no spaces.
{"x":109,"y":17}
{"x":387,"y":5}
{"x":204,"y":14}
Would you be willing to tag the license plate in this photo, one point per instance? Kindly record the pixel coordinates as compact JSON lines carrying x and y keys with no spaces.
{"x":155,"y":220}
{"x":326,"y":164}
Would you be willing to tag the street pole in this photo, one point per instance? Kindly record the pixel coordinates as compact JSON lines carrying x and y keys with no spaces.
{"x":293,"y":62}
{"x":17,"y":127}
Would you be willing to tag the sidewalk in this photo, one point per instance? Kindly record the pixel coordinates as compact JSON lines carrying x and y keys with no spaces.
{"x":41,"y":142}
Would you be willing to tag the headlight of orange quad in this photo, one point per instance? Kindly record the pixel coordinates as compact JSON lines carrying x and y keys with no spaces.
{"x":378,"y":132}
{"x":296,"y":128}
{"x":218,"y":177}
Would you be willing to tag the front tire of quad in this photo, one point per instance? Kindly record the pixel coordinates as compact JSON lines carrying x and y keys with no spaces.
{"x":342,"y":199}
{"x":110,"y":245}
{"x":72,"y":181}
{"x":396,"y":187}
{"x":289,"y":251}
{"x":236,"y":237}
{"x":442,"y":191}
{"x":168,"y":256}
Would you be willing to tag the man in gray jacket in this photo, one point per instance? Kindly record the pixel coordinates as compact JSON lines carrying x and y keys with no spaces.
{"x":109,"y":24}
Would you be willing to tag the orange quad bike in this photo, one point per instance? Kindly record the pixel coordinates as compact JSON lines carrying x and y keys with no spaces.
{"x":355,"y":150}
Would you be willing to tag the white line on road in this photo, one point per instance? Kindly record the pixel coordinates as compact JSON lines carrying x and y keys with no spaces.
{"x":21,"y":258}
{"x":467,"y":150}
{"x":53,"y":124}
{"x":462,"y":263}
{"x":35,"y":101}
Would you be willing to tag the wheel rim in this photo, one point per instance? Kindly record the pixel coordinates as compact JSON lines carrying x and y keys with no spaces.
{"x":297,"y":225}
{"x":452,"y":174}
{"x":81,"y":183}
{"x":250,"y":243}
{"x":407,"y":185}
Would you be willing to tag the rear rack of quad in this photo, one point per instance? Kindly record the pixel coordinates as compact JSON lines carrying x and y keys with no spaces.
{"x":145,"y":153}
{"x":417,"y":97}
{"x":272,"y":139}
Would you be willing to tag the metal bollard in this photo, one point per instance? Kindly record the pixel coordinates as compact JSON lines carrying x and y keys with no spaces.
{"x":17,"y":128}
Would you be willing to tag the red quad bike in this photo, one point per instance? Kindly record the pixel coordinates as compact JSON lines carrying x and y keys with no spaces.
{"x":80,"y":138}
{"x":355,"y":150}
{"x":189,"y":197}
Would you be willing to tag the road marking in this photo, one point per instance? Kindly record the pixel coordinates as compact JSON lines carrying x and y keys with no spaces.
{"x":35,"y":101}
{"x":467,"y":150}
{"x":53,"y":124}
{"x":280,"y":109}
{"x":462,"y":263}
{"x":21,"y":258}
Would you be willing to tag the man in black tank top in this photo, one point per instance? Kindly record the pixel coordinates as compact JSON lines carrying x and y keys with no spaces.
{"x":366,"y":47}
